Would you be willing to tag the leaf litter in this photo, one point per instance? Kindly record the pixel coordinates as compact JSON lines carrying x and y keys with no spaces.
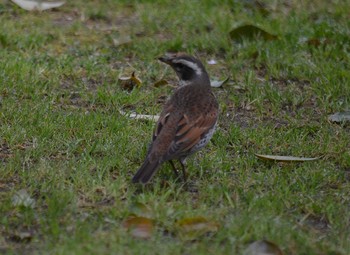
{"x":22,"y":198}
{"x":284,"y":158}
{"x":139,"y":227}
{"x":30,"y":5}
{"x":192,"y":228}
{"x":340,"y":117}
{"x":262,"y":247}
{"x":250,"y":32}
{"x":129,"y":83}
{"x":219,"y":84}
{"x":137,"y":116}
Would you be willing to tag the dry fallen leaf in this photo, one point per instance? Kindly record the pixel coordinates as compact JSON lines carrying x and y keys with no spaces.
{"x":262,"y":247}
{"x":22,"y":198}
{"x":140,"y":227}
{"x":284,"y":158}
{"x":218,"y":84}
{"x":340,"y":117}
{"x":39,"y":5}
{"x":140,"y":116}
{"x":316,"y":42}
{"x":191,"y":228}
{"x":250,"y":32}
{"x":161,"y":83}
{"x":128,"y":83}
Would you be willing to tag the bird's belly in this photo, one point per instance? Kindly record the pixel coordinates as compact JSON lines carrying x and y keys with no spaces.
{"x":204,"y":140}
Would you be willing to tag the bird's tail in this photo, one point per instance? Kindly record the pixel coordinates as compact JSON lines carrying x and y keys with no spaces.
{"x":146,"y":172}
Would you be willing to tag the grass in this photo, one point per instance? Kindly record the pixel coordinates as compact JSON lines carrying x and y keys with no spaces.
{"x":65,"y":143}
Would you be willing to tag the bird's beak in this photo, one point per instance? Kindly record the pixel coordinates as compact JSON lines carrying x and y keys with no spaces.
{"x":166,"y":58}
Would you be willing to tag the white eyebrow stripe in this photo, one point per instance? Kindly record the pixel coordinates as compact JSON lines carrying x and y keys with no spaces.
{"x":183,"y":83}
{"x":192,"y":65}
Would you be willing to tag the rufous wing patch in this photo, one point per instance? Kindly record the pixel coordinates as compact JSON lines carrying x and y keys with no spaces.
{"x":161,"y":122}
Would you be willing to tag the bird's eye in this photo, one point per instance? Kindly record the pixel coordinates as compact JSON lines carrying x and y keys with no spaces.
{"x":180,"y":66}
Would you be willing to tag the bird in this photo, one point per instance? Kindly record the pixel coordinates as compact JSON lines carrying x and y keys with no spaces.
{"x":188,"y":119}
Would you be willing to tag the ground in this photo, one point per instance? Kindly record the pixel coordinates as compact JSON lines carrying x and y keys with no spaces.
{"x":67,"y":154}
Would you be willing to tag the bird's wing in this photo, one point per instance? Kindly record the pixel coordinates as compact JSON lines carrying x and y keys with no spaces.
{"x":160,"y":124}
{"x":189,"y":132}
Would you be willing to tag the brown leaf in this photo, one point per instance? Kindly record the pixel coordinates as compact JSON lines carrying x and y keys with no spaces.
{"x":284,"y":158}
{"x":262,"y":247}
{"x":316,"y":42}
{"x":140,"y":227}
{"x":128,"y":83}
{"x":160,"y":83}
{"x":250,"y":32}
{"x":191,"y":228}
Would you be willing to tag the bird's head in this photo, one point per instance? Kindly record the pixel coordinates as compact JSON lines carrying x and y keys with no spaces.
{"x":188,"y":68}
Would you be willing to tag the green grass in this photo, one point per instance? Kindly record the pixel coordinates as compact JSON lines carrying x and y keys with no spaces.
{"x":63,"y":140}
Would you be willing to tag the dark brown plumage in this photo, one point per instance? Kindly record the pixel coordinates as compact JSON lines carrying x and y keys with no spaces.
{"x":188,"y":119}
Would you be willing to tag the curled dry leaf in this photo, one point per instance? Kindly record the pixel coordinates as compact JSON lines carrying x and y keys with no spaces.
{"x":39,"y":5}
{"x":140,"y":227}
{"x":140,"y":116}
{"x":284,"y":158}
{"x":218,"y":84}
{"x":250,"y":32}
{"x":128,"y":83}
{"x":22,"y":198}
{"x":262,"y":247}
{"x":191,"y":228}
{"x":340,"y":117}
{"x":161,"y":83}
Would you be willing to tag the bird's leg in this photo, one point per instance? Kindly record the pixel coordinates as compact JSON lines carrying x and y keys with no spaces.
{"x":183,"y":168}
{"x":174,"y":168}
